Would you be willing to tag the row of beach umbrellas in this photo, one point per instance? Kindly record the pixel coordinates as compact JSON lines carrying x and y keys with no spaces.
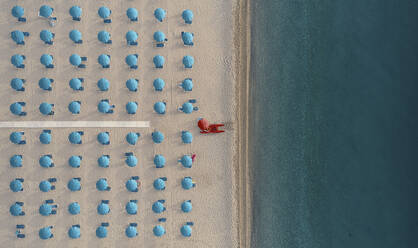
{"x":77,"y":61}
{"x":103,"y":208}
{"x":103,"y":138}
{"x":74,"y":184}
{"x":131,"y":231}
{"x":103,"y":84}
{"x":104,"y":107}
{"x":75,"y":161}
{"x":103,"y":36}
{"x":103,"y":12}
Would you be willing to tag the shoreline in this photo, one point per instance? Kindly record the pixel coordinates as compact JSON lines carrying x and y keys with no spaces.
{"x":242,"y":40}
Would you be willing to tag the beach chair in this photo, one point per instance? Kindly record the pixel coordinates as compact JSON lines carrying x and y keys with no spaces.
{"x":76,"y":225}
{"x":164,"y":179}
{"x":20,"y":226}
{"x":189,"y":223}
{"x":20,"y":204}
{"x":135,"y":177}
{"x":52,"y":187}
{"x":49,"y":201}
{"x":20,"y":66}
{"x":21,"y":19}
{"x":22,"y":213}
{"x":79,"y":42}
{"x":20,"y":236}
{"x":107,"y":20}
{"x":104,"y":224}
{"x":53,"y":211}
{"x":82,"y":66}
{"x":105,"y":201}
{"x":76,"y":19}
{"x":20,"y":179}
{"x":134,"y":201}
{"x":133,"y":224}
{"x":132,"y":43}
{"x":77,"y":178}
{"x":162,"y":201}
{"x":134,"y":67}
{"x":162,"y":219}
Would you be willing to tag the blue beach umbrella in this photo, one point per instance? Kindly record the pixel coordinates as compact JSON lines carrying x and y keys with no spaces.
{"x":16,"y":138}
{"x":132,"y":185}
{"x":17,"y":84}
{"x":131,"y":60}
{"x":103,"y":138}
{"x":75,"y":59}
{"x":103,"y":107}
{"x":131,"y":161}
{"x":45,"y":186}
{"x":187,"y":84}
{"x":159,"y":14}
{"x":186,"y":161}
{"x":74,"y":208}
{"x":74,"y":107}
{"x":15,"y":209}
{"x":45,"y":83}
{"x":187,"y":38}
{"x":18,"y":36}
{"x":131,"y":208}
{"x":103,"y":84}
{"x":103,"y":36}
{"x":186,"y":137}
{"x":158,"y":84}
{"x":186,"y":230}
{"x":74,"y":232}
{"x":159,"y":36}
{"x":104,"y":12}
{"x":131,"y":231}
{"x":187,"y":16}
{"x":45,"y":138}
{"x":45,"y":161}
{"x":45,"y":108}
{"x":187,"y":108}
{"x":46,"y":36}
{"x":16,"y":185}
{"x":157,"y":137}
{"x":74,"y":161}
{"x":158,"y":231}
{"x":159,"y":184}
{"x":101,"y":184}
{"x":45,"y":11}
{"x":158,"y":207}
{"x":18,"y":11}
{"x":103,"y":161}
{"x":16,"y":108}
{"x":45,"y":233}
{"x":75,"y":84}
{"x":75,"y":35}
{"x":188,"y":61}
{"x":158,"y":61}
{"x":131,"y":107}
{"x":17,"y":60}
{"x":74,"y":185}
{"x":186,"y":206}
{"x":101,"y":232}
{"x":45,"y":209}
{"x":159,"y":107}
{"x":103,"y":208}
{"x":75,"y":138}
{"x":104,"y":60}
{"x":46,"y":59}
{"x":16,"y":161}
{"x":131,"y":36}
{"x":132,"y":14}
{"x":132,"y":84}
{"x":75,"y":12}
{"x":132,"y":138}
{"x":159,"y":161}
{"x":187,"y":183}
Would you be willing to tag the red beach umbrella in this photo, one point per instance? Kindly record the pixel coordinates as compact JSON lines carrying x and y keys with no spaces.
{"x":203,"y":124}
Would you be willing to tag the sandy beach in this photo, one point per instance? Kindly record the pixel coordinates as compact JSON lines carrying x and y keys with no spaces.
{"x":217,"y":210}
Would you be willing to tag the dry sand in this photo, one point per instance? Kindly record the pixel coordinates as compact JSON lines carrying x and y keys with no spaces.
{"x":215,"y":211}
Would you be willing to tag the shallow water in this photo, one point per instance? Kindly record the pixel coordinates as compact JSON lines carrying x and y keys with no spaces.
{"x":334,"y":99}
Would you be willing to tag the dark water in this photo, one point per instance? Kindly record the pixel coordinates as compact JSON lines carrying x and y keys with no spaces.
{"x":335,"y":123}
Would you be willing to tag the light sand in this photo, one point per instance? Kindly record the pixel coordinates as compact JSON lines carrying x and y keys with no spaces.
{"x":215,"y":211}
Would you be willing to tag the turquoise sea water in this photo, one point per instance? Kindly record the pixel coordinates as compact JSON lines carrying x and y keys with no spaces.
{"x":334,"y":125}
